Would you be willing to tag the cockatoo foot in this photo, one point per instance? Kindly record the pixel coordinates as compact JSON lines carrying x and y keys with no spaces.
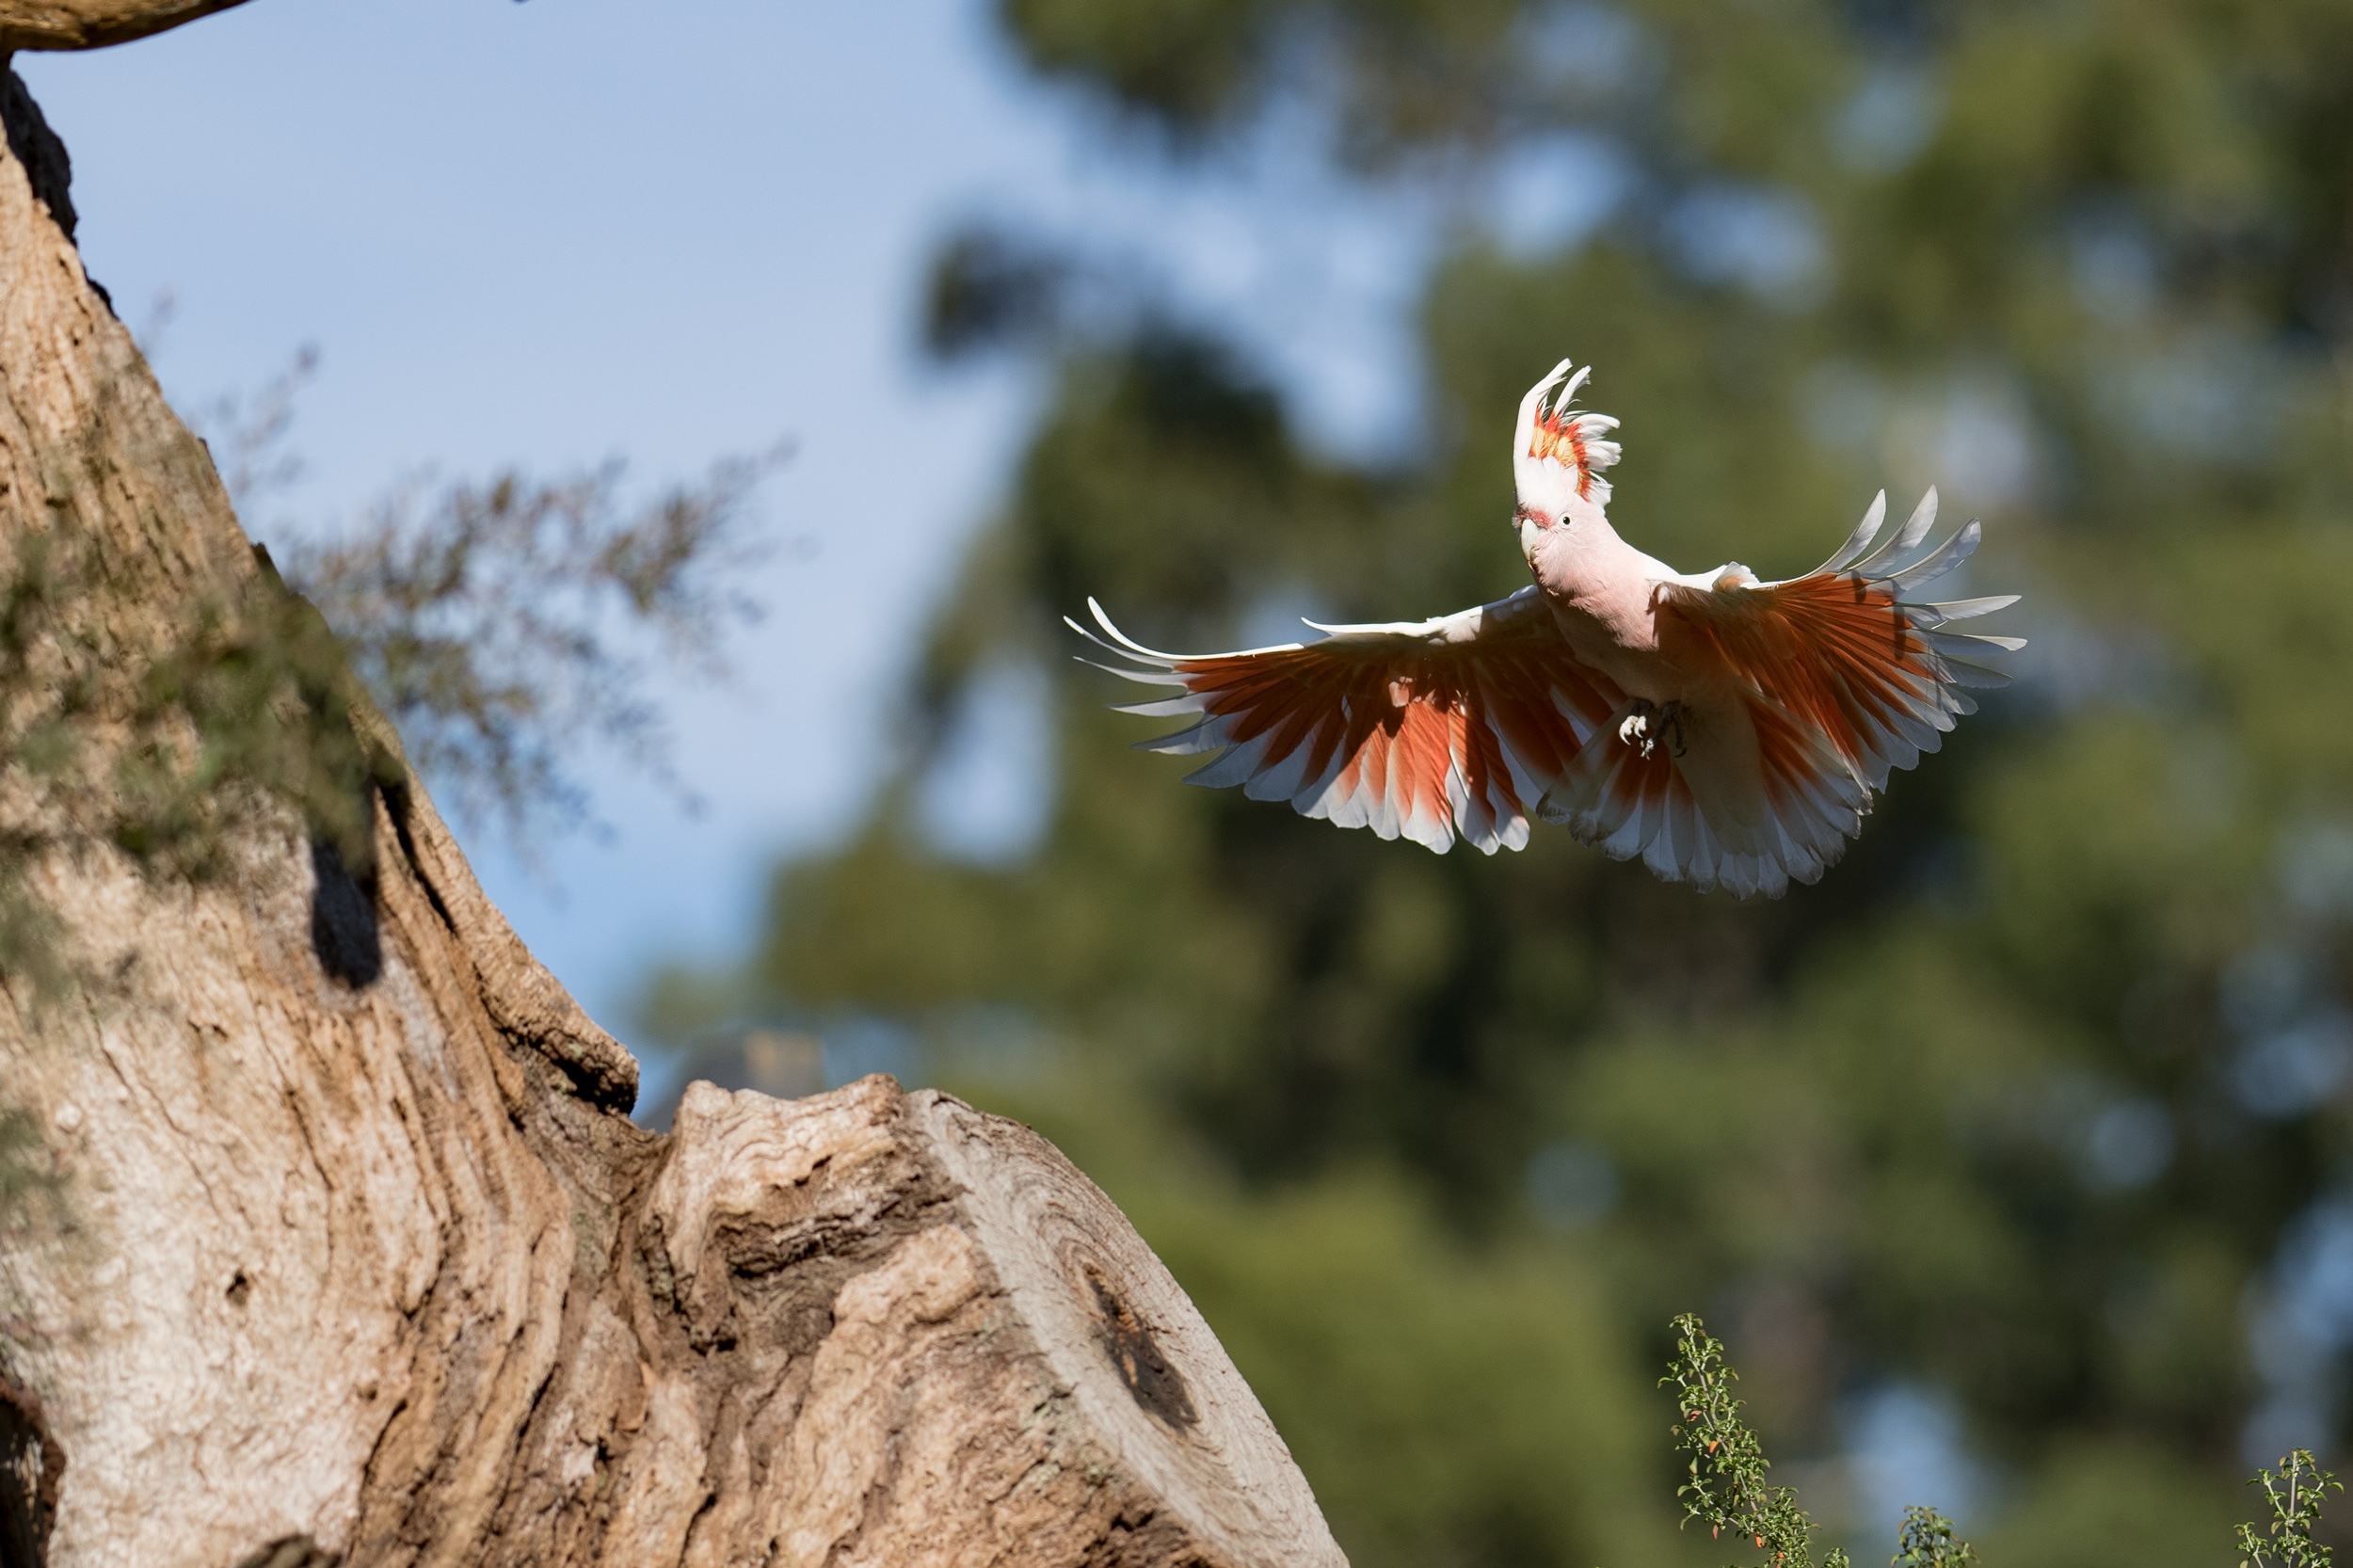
{"x":1646,"y":722}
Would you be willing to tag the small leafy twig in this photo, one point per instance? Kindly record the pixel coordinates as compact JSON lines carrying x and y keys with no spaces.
{"x":503,"y":625}
{"x":1928,"y":1542}
{"x":499,"y":624}
{"x":246,"y":434}
{"x":2295,"y":1489}
{"x":1726,"y":1490}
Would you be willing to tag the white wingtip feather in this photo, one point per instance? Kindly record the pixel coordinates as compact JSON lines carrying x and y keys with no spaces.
{"x":1860,"y":540}
{"x":1125,"y":641}
{"x":1907,"y":538}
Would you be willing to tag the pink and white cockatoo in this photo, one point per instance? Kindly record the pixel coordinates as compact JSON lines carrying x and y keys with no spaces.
{"x":1728,"y":732}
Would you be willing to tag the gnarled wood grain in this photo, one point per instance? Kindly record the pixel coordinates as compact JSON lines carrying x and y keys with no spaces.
{"x":94,"y":24}
{"x":356,"y":1259}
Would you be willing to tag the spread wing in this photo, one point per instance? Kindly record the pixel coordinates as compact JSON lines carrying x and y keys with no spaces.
{"x":1842,"y":679}
{"x":1420,"y":730}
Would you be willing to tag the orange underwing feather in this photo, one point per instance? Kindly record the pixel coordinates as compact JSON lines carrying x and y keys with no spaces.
{"x":1417,"y":732}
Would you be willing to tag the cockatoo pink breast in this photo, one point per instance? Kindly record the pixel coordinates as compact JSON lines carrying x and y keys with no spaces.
{"x":1728,"y":733}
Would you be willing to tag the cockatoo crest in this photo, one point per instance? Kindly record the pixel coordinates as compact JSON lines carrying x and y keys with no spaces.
{"x":1558,"y":451}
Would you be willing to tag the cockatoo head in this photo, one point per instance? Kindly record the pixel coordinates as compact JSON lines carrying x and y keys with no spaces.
{"x":1558,"y":454}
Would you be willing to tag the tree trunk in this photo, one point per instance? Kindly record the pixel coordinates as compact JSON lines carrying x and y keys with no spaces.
{"x":347,"y":1250}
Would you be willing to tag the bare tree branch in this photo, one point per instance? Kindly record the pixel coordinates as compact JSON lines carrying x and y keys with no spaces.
{"x":94,"y":24}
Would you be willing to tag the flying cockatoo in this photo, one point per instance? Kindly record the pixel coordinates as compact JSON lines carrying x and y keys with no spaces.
{"x":1728,"y":732}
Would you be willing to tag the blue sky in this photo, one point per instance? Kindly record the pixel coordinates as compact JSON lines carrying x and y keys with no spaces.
{"x":554,"y":232}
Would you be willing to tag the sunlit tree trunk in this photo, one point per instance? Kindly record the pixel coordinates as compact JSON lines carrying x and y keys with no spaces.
{"x":347,"y":1251}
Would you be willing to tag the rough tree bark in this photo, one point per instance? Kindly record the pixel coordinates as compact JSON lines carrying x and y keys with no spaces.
{"x":94,"y":24}
{"x":355,"y":1257}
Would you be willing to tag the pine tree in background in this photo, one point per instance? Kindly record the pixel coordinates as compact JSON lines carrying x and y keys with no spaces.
{"x":2023,"y":1099}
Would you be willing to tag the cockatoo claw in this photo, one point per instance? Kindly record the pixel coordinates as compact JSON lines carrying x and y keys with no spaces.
{"x":1646,"y":721}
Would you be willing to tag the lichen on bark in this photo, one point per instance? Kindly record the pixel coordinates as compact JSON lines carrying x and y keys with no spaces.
{"x":354,"y":1254}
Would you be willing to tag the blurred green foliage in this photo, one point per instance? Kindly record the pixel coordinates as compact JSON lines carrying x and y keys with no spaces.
{"x":2020,"y":1101}
{"x":156,"y":729}
{"x":28,"y":1177}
